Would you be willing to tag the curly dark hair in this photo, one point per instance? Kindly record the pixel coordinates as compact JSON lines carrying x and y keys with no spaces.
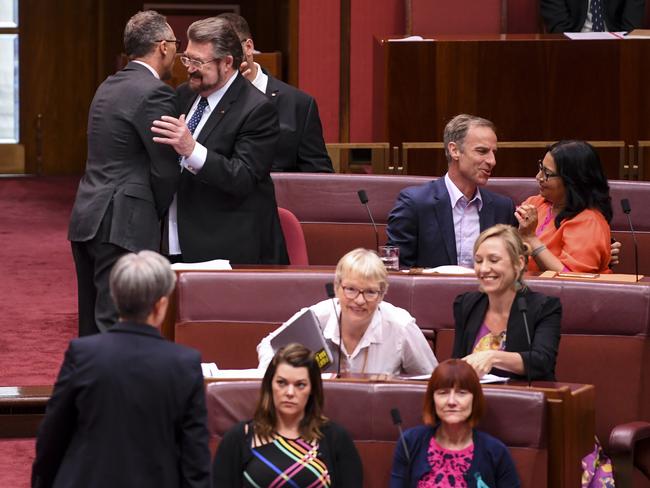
{"x":585,"y":183}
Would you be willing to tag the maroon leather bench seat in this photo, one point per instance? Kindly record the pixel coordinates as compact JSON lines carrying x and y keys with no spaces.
{"x":334,"y":221}
{"x":605,"y":327}
{"x":364,"y":410}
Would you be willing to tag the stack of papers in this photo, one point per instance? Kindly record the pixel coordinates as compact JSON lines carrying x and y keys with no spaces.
{"x":214,"y":265}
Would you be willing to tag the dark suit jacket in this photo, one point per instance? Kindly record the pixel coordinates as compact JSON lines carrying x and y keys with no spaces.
{"x":125,"y":167}
{"x":301,"y":147}
{"x":570,"y":15}
{"x":422,"y":224}
{"x":228,"y":209}
{"x":128,"y":410}
{"x":544,"y":316}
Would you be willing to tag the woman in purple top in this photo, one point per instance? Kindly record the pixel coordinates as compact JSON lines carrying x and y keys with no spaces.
{"x":448,"y":451}
{"x":491,"y":324}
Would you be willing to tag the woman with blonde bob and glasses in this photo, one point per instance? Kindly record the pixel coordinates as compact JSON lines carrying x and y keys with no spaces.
{"x":448,"y":450}
{"x":377,"y":337}
{"x":490,"y":331}
{"x":289,"y":442}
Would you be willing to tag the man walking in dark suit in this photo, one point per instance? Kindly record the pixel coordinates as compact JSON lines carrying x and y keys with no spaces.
{"x":128,"y":407}
{"x":301,"y":147}
{"x":437,"y":223}
{"x":129,"y":180}
{"x":225,"y":206}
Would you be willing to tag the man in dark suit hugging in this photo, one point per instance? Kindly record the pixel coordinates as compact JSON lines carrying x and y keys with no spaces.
{"x":129,"y":180}
{"x":128,"y":406}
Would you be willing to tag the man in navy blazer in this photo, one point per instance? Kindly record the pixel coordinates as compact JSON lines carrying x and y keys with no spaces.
{"x":301,"y":147}
{"x":431,"y":231}
{"x":128,"y":406}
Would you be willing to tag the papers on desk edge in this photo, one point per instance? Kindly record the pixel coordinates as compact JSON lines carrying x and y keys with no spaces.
{"x":595,"y":36}
{"x":488,"y":378}
{"x":211,"y":371}
{"x":410,"y":39}
{"x":447,"y":269}
{"x":214,"y":265}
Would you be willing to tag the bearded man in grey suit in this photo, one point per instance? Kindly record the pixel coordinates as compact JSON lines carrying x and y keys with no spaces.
{"x":129,"y":180}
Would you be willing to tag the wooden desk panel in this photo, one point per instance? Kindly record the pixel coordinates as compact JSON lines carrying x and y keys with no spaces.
{"x":533,"y":87}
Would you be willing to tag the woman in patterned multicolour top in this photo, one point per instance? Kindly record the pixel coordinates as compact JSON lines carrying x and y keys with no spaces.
{"x":490,"y":329}
{"x":447,"y":451}
{"x":289,"y":442}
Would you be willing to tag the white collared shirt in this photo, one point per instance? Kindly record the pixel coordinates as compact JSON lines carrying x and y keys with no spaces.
{"x":467,"y":226}
{"x":195,"y":161}
{"x":392,"y":344}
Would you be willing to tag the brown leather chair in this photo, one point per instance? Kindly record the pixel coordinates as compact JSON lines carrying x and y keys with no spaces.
{"x":364,"y":410}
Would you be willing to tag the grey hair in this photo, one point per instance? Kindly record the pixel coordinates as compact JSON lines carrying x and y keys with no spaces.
{"x":142,"y":31}
{"x":457,"y":128}
{"x":138,"y":281}
{"x":220,"y":33}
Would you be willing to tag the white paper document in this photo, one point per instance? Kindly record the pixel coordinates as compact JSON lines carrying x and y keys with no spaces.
{"x":595,"y":36}
{"x":488,"y":378}
{"x":449,"y":269}
{"x":210,"y":370}
{"x":214,"y":265}
{"x":411,"y":39}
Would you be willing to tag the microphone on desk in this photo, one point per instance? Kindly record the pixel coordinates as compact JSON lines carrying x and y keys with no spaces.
{"x":625,"y":206}
{"x":523,"y":308}
{"x":363,"y":198}
{"x":329,"y":289}
{"x":397,"y":422}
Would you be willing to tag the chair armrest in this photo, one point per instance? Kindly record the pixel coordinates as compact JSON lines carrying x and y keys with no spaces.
{"x":623,"y":437}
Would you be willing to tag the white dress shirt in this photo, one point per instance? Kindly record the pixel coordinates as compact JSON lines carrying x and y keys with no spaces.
{"x":392,"y":344}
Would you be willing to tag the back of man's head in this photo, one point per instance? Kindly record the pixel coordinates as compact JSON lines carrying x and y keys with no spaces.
{"x":239,"y":24}
{"x":142,"y":31}
{"x":138,"y":282}
{"x":457,"y":128}
{"x":218,"y":32}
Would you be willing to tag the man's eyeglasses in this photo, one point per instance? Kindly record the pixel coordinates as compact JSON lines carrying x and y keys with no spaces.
{"x":545,"y":172}
{"x":195,"y":63}
{"x":175,"y":41}
{"x":352,"y":293}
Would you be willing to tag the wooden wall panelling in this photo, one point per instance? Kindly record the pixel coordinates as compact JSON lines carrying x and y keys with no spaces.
{"x":58,"y":77}
{"x":532,"y":88}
